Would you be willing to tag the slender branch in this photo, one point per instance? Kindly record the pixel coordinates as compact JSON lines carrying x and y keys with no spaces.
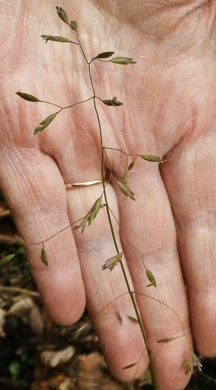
{"x":55,"y":234}
{"x":69,"y":106}
{"x":52,"y":104}
{"x":76,"y":104}
{"x":119,"y":150}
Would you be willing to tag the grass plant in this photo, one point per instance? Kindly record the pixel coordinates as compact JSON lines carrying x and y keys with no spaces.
{"x":108,"y":58}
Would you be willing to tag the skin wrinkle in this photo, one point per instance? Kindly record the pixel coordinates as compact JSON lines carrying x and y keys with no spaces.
{"x":192,"y":10}
{"x":177,"y":53}
{"x":172,"y":28}
{"x":184,"y":92}
{"x":199,"y":200}
{"x":18,"y":31}
{"x":16,"y":120}
{"x":196,"y":131}
{"x":183,"y":140}
{"x":160,"y":257}
{"x":152,"y":248}
{"x":127,"y":126}
{"x":60,"y":152}
{"x":204,"y":293}
{"x":20,"y":162}
{"x":210,"y":216}
{"x":192,"y":248}
{"x":57,"y":269}
{"x":161,"y":8}
{"x":173,"y":327}
{"x":10,"y":52}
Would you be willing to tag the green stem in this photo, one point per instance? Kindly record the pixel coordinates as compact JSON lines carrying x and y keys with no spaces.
{"x":130,"y":291}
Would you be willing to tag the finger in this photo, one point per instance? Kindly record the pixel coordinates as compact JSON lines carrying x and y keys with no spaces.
{"x":190,"y":179}
{"x":148,"y":233}
{"x":107,"y":297}
{"x":36,"y":195}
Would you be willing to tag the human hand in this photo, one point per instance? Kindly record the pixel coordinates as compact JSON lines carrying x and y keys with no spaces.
{"x":169,"y":110}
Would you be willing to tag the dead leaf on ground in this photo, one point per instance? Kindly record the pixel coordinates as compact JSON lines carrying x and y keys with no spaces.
{"x":53,"y":359}
{"x":93,"y":374}
{"x":83,"y":372}
{"x":57,"y":381}
{"x":29,"y":312}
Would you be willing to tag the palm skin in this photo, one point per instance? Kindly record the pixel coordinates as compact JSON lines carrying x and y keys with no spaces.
{"x":169,"y":101}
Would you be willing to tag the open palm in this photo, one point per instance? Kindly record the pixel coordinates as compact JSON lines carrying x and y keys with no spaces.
{"x":169,"y":100}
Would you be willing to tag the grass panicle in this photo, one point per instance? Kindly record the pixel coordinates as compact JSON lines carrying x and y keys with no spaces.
{"x":121,"y":183}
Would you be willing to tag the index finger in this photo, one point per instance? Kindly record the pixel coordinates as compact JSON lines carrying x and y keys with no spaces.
{"x":35,"y":192}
